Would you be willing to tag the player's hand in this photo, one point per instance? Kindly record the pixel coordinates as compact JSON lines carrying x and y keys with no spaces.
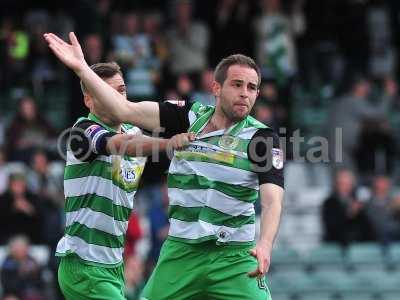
{"x":263,"y":255}
{"x":69,"y":54}
{"x":181,"y":140}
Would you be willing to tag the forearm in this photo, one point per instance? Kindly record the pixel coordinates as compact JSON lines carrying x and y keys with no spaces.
{"x":116,"y":105}
{"x":136,"y":145}
{"x":271,"y":208}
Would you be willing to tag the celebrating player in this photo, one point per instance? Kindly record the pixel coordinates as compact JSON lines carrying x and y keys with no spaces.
{"x":211,"y":252}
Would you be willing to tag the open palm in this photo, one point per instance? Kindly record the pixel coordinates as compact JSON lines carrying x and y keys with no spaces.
{"x":69,"y":54}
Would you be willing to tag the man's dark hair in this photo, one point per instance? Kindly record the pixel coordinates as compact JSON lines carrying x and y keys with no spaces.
{"x":221,"y":70}
{"x":104,"y":71}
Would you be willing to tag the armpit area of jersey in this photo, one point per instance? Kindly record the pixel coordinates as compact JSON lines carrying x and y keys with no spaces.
{"x":265,"y":153}
{"x":89,"y":139}
{"x":174,"y":117}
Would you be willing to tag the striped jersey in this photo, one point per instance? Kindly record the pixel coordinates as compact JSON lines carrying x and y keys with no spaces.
{"x":212,"y":183}
{"x":99,"y":196}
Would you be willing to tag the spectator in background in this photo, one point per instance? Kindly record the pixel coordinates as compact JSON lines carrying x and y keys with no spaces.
{"x":264,"y":113}
{"x":2,"y":124}
{"x":42,"y":182}
{"x":133,"y":49}
{"x":3,"y":173}
{"x":20,"y":211}
{"x":93,"y":49}
{"x":28,"y":131}
{"x":231,"y":29}
{"x":41,"y":64}
{"x":343,"y":215}
{"x":184,"y":87}
{"x":348,"y":114}
{"x":204,"y":95}
{"x":133,"y":235}
{"x":49,"y":190}
{"x":382,"y":59}
{"x":159,"y":224}
{"x":381,"y":211}
{"x":133,"y":277}
{"x":188,"y":42}
{"x":14,"y":50}
{"x":276,"y":52}
{"x":268,"y":109}
{"x":20,"y":273}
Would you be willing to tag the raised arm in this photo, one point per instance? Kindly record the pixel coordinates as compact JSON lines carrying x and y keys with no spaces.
{"x":143,"y":114}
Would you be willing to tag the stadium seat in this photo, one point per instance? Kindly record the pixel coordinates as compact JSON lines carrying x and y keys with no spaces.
{"x":296,"y":282}
{"x":281,"y":296}
{"x":336,"y":280}
{"x":284,"y":258}
{"x":357,"y":296}
{"x":326,"y":256}
{"x":390,"y":296}
{"x":367,"y":256}
{"x":393,"y":257}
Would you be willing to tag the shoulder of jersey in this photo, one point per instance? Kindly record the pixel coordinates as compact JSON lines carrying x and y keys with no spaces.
{"x":255,"y":123}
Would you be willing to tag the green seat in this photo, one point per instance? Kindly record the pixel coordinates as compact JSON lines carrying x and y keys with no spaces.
{"x":336,"y":281}
{"x":281,"y":296}
{"x":390,"y":296}
{"x":285,"y":258}
{"x":295,"y":282}
{"x":393,"y":256}
{"x":378,"y":280}
{"x":315,"y":296}
{"x":328,"y":256}
{"x":357,"y":296}
{"x":368,"y":255}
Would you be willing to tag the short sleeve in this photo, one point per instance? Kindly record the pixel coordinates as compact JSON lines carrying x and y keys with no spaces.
{"x":266,"y":154}
{"x":89,"y":139}
{"x":174,"y":117}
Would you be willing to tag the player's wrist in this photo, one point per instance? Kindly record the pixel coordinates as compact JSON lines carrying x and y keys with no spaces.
{"x":265,"y":244}
{"x":82,"y":69}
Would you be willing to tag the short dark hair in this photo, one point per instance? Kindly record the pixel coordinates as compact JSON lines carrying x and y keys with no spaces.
{"x":104,"y":71}
{"x":221,"y":70}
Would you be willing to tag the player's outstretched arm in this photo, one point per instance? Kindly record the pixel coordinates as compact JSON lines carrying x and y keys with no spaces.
{"x":144,"y":114}
{"x":140,"y":145}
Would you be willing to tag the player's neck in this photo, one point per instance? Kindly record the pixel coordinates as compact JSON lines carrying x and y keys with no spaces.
{"x":116,"y":127}
{"x":220,"y":120}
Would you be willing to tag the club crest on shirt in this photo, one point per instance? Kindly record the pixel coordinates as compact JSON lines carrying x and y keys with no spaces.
{"x":228,"y":142}
{"x":128,"y":174}
{"x":277,"y":158}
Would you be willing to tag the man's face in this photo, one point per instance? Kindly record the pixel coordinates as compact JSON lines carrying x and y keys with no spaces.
{"x":238,"y":93}
{"x":118,"y":84}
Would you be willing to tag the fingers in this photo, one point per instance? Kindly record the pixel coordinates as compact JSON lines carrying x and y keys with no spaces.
{"x":192,"y":136}
{"x":51,"y":38}
{"x":255,"y":273}
{"x":253,"y":253}
{"x":179,"y":141}
{"x":74,"y":40}
{"x":57,"y":51}
{"x":263,"y":264}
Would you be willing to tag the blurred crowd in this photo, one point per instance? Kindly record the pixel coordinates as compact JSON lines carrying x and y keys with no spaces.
{"x":325,"y":65}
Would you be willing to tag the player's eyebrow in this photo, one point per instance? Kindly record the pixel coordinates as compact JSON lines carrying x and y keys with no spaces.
{"x":252,"y":84}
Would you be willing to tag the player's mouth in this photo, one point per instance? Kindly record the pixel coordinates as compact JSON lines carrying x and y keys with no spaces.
{"x":241,"y":106}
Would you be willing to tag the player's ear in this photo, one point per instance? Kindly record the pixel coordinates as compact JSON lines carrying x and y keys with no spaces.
{"x":87,"y":99}
{"x":216,"y":88}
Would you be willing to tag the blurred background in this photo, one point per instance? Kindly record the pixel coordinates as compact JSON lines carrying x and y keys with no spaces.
{"x":326,"y":65}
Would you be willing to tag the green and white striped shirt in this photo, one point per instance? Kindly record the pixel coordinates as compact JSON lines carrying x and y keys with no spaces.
{"x":99,"y":199}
